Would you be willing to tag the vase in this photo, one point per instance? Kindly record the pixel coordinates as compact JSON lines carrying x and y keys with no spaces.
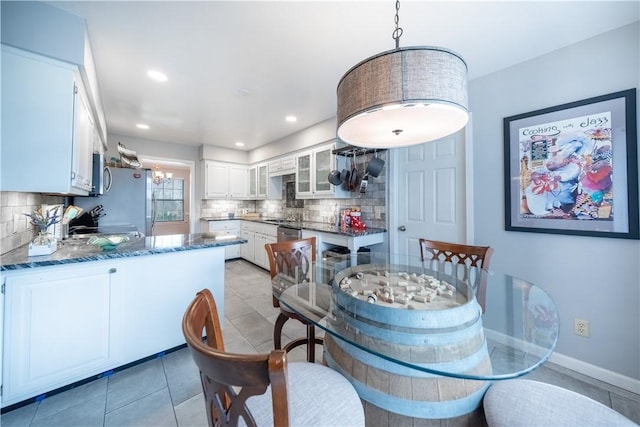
{"x":43,"y":239}
{"x":43,"y":244}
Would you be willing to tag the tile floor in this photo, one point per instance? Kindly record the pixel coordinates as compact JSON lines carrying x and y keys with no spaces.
{"x":166,"y":391}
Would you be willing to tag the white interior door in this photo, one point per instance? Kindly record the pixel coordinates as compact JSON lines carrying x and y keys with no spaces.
{"x":429,"y":194}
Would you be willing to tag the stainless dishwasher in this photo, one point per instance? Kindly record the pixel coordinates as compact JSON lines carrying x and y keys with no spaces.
{"x":288,"y":233}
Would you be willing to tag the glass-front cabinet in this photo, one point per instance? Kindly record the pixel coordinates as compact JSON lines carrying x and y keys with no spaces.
{"x":263,"y":181}
{"x":323,"y":162}
{"x":312,"y":173}
{"x":303,"y":175}
{"x":253,"y":181}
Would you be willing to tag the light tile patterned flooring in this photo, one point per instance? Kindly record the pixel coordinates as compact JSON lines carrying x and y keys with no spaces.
{"x":166,"y":391}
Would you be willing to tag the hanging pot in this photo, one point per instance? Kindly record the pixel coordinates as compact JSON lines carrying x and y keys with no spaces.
{"x":345,"y":174}
{"x":375,"y":166}
{"x":334,"y":177}
{"x":353,"y":180}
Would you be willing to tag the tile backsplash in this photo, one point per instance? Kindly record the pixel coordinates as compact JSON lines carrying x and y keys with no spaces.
{"x":15,"y":229}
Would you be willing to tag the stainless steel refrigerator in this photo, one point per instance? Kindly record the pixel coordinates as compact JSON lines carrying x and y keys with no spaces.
{"x":128,"y":202}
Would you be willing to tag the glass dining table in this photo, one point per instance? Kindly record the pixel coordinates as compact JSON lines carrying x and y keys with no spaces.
{"x":422,"y":339}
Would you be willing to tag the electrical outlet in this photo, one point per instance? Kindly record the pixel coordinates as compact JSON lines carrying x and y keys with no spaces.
{"x":581,"y":327}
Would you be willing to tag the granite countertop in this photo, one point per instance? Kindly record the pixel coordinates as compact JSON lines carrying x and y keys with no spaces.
{"x":77,"y":250}
{"x":307,"y":225}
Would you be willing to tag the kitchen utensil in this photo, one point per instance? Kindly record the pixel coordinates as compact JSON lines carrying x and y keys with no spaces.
{"x":70,"y":213}
{"x":375,"y":165}
{"x":364,"y":183}
{"x":334,"y":177}
{"x":96,"y":211}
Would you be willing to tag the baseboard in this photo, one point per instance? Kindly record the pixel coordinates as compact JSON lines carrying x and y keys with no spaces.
{"x":593,"y":371}
{"x":576,"y":365}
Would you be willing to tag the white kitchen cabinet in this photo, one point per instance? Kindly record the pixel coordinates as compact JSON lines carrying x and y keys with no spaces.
{"x":257,"y":234}
{"x":252,"y":173}
{"x":247,"y":250}
{"x":60,"y":328}
{"x":263,"y":181}
{"x":304,"y":187}
{"x":282,"y":166}
{"x":262,"y":185}
{"x":226,"y":228}
{"x":224,"y":180}
{"x":260,"y":257}
{"x":66,"y":323}
{"x":312,"y":172}
{"x":47,"y":126}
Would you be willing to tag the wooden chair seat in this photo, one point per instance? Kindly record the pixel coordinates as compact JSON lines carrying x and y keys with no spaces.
{"x":263,"y":389}
{"x":293,"y":257}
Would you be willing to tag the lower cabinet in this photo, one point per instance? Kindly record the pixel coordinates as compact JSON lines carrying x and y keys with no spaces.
{"x":59,"y":328}
{"x":247,"y":250}
{"x":67,"y":323}
{"x":225,"y":228}
{"x":257,"y":235}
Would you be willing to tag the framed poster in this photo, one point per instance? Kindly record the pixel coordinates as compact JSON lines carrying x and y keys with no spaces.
{"x":573,"y":168}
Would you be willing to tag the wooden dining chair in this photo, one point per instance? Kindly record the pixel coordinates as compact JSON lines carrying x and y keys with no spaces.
{"x":465,"y":262}
{"x":263,"y":389}
{"x":295,"y":259}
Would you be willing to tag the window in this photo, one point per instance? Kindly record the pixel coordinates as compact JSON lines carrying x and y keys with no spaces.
{"x":169,"y":195}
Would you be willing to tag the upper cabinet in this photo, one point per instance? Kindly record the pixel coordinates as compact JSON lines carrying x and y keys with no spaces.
{"x":262,"y":185}
{"x":263,"y":181}
{"x":48,"y":129}
{"x":312,"y":173}
{"x":224,"y":180}
{"x":282,"y":166}
{"x":54,"y":33}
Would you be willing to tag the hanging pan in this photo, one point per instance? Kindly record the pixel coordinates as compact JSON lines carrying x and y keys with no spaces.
{"x":375,"y":165}
{"x":353,"y":180}
{"x":334,"y":177}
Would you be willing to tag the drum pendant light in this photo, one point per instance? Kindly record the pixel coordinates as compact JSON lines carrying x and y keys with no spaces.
{"x":403,"y":96}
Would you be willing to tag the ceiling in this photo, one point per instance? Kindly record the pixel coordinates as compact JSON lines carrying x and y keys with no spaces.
{"x":237,"y":68}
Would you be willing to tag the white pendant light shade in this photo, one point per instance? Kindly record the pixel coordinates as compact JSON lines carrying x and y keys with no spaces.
{"x":402,"y":97}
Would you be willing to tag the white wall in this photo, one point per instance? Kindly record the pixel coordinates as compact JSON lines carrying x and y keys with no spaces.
{"x":590,"y":278}
{"x":313,"y":135}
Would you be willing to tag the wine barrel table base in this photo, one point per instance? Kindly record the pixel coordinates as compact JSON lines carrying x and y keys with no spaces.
{"x":449,"y":340}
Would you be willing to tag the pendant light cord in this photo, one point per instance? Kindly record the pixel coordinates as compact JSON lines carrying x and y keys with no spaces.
{"x":398,"y":31}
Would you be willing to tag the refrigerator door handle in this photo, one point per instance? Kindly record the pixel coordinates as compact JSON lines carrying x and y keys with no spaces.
{"x":153,"y":211}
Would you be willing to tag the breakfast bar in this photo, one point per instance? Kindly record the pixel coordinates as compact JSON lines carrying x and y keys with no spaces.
{"x":82,"y":312}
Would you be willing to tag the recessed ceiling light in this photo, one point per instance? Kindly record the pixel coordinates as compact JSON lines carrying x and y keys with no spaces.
{"x":142,"y":126}
{"x":291,"y":119}
{"x":157,"y":75}
{"x":239,"y":144}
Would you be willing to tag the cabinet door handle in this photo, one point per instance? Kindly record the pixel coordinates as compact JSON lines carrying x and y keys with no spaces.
{"x":113,"y":270}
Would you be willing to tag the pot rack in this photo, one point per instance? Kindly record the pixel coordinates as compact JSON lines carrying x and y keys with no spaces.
{"x":351,"y":150}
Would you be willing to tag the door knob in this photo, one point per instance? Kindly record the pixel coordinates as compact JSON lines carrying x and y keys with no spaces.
{"x":402,"y":228}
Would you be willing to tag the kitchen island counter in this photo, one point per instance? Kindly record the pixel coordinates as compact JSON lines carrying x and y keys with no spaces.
{"x":99,"y":310}
{"x":76,"y":250}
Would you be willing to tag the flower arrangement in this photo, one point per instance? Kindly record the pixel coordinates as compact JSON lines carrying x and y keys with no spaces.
{"x":43,"y":221}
